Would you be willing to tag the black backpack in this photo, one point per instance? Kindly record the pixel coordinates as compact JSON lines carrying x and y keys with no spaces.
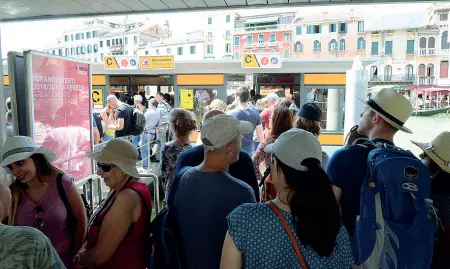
{"x":138,"y":122}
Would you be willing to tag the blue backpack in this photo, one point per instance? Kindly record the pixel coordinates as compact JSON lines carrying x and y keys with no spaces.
{"x":397,"y":221}
{"x":165,"y":238}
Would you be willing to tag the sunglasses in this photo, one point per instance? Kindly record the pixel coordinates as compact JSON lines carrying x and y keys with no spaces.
{"x":39,"y":209}
{"x":105,"y":167}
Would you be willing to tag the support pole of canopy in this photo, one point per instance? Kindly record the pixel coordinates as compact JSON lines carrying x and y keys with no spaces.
{"x":356,"y":88}
{"x":2,"y":103}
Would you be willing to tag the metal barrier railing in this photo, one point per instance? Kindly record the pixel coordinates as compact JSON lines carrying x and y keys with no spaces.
{"x":95,"y":191}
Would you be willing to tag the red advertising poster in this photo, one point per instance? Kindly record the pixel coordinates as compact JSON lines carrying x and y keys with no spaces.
{"x":62,"y":118}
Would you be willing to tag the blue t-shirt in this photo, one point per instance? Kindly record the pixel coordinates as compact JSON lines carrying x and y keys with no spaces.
{"x":347,"y":170}
{"x":248,"y":114}
{"x":242,"y":169}
{"x":203,"y":201}
{"x":261,"y":238}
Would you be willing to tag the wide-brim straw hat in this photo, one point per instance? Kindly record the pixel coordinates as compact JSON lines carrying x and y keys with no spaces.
{"x":438,"y":150}
{"x":392,"y":107}
{"x":19,"y":148}
{"x":119,"y":152}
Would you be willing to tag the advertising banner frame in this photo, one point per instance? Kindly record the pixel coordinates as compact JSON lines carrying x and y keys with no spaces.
{"x":29,"y":93}
{"x":18,"y":108}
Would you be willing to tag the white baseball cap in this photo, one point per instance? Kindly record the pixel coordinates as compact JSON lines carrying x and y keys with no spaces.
{"x":137,"y":98}
{"x":220,"y":129}
{"x":294,"y":146}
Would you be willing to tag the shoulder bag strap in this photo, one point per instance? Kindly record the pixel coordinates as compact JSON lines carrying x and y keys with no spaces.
{"x":61,"y":192}
{"x":290,"y":234}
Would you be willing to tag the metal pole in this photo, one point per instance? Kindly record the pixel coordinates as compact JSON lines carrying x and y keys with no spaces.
{"x":149,"y":137}
{"x":2,"y":103}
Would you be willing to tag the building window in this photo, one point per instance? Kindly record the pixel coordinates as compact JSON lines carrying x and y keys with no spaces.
{"x":120,"y":41}
{"x":332,"y":46}
{"x":94,"y":33}
{"x":313,"y":29}
{"x":146,"y":52}
{"x":430,"y":70}
{"x":71,"y":37}
{"x":89,"y":49}
{"x":342,"y":27}
{"x":209,"y":49}
{"x":249,"y":39}
{"x":180,"y":50}
{"x":67,"y":52}
{"x":361,"y":43}
{"x":72,"y":51}
{"x":126,"y":40}
{"x":157,"y":52}
{"x":444,"y":69}
{"x":113,"y":42}
{"x":193,"y":48}
{"x":169,"y":51}
{"x":298,"y":30}
{"x":77,"y":36}
{"x":387,"y":73}
{"x":272,"y":51}
{"x":95,"y":48}
{"x":298,"y":47}
{"x":83,"y":50}
{"x":273,"y":37}
{"x":342,"y":45}
{"x":410,"y":47}
{"x":374,"y":48}
{"x":66,"y":38}
{"x":443,"y":16}
{"x":210,"y":20}
{"x":236,"y":55}
{"x":101,"y":43}
{"x":261,"y":51}
{"x":88,"y":35}
{"x":317,"y":46}
{"x":82,"y":36}
{"x":108,"y":43}
{"x":260,"y":39}
{"x":287,"y":37}
{"x":421,"y":72}
{"x":360,"y":27}
{"x":60,"y":51}
{"x":332,"y":28}
{"x":444,"y":40}
{"x":287,"y":54}
{"x":431,"y":42}
{"x":388,"y":48}
{"x":409,"y":72}
{"x":135,"y":40}
{"x":210,"y":36}
{"x":228,"y":18}
{"x":228,"y":47}
{"x":236,"y":40}
{"x":423,"y":43}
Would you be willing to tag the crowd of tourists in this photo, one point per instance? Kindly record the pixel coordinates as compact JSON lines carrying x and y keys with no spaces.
{"x":257,"y":191}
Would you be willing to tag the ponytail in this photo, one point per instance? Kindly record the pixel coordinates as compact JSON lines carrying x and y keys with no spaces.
{"x":313,"y":206}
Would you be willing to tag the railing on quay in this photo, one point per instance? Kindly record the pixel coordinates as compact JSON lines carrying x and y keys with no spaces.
{"x":95,"y":190}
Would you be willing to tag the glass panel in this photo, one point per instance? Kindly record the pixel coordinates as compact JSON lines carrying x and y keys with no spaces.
{"x":201,"y":98}
{"x":331,"y":103}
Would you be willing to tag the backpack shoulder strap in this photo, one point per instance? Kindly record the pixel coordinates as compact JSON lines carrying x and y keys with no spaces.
{"x":290,"y":234}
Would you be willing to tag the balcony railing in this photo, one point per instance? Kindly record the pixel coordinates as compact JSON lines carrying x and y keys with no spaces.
{"x":262,"y":28}
{"x":432,"y":51}
{"x":426,"y":81}
{"x":425,"y":51}
{"x":422,"y":52}
{"x":273,"y":44}
{"x":393,"y":78}
{"x":249,"y":45}
{"x":261,"y":45}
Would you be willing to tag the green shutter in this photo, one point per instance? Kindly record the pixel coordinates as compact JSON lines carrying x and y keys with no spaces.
{"x":320,"y":29}
{"x":374,"y":48}
{"x":410,"y":47}
{"x":298,"y":30}
{"x":388,"y":48}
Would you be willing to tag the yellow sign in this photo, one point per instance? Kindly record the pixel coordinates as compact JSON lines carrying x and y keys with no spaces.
{"x":249,"y":61}
{"x":97,"y":96}
{"x":109,"y":62}
{"x":187,"y":98}
{"x":261,"y":60}
{"x":156,"y":62}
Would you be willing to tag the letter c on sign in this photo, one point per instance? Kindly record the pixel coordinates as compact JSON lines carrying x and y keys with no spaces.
{"x":108,"y":61}
{"x":95,"y":96}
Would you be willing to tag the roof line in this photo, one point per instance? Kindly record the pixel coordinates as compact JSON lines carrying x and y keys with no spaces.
{"x":237,"y":7}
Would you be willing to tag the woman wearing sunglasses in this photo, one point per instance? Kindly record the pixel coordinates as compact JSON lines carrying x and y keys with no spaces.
{"x":301,"y":227}
{"x":36,"y":199}
{"x":118,"y":230}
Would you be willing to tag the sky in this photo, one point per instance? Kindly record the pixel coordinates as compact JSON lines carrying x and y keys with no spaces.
{"x":19,"y":36}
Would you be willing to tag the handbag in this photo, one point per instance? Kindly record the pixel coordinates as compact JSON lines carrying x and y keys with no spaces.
{"x":290,"y":234}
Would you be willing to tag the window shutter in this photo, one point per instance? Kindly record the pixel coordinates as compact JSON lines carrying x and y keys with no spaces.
{"x":444,"y":70}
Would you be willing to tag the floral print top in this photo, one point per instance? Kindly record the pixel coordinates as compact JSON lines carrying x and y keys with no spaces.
{"x":261,"y":156}
{"x":169,"y":156}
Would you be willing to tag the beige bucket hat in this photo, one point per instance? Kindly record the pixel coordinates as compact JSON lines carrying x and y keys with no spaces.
{"x":438,"y":150}
{"x":19,"y":148}
{"x":394,"y":108}
{"x":119,"y":152}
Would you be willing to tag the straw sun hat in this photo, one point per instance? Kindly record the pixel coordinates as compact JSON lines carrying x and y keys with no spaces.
{"x":394,"y":108}
{"x":19,"y":148}
{"x":438,"y":150}
{"x":119,"y":152}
